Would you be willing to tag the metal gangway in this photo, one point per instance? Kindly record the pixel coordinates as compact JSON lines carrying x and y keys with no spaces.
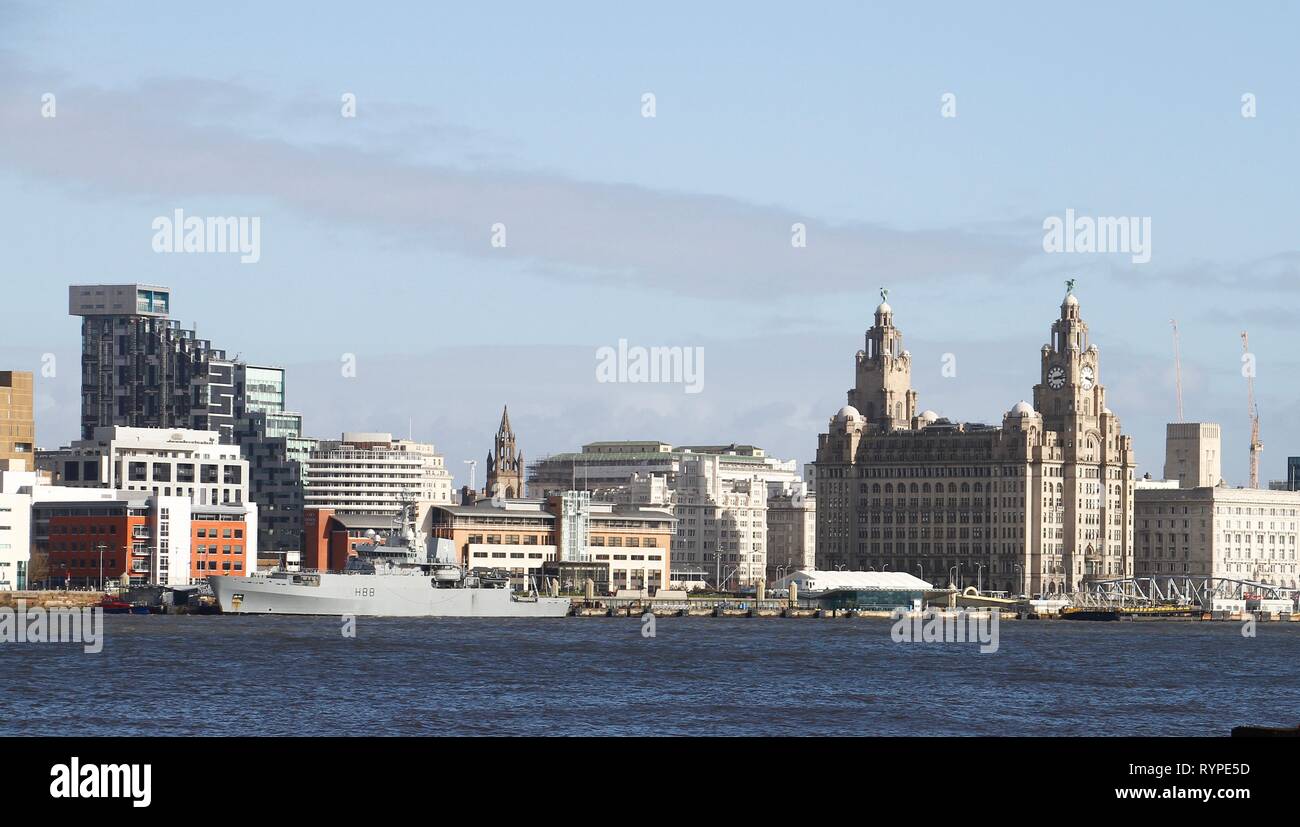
{"x":1171,"y":590}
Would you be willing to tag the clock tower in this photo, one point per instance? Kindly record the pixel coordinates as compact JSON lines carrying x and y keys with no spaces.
{"x":1070,"y":391}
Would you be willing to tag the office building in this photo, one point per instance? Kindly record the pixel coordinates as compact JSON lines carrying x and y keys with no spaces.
{"x":628,"y":546}
{"x":163,"y":462}
{"x":17,"y":421}
{"x":791,"y":529}
{"x":372,"y":473}
{"x":271,"y":438}
{"x":1038,"y":504}
{"x":1233,"y":533}
{"x":718,"y":493}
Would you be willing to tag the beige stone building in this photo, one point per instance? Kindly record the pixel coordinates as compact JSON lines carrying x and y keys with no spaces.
{"x":1038,"y":504}
{"x":17,"y":421}
{"x":1234,"y":533}
{"x":718,"y":493}
{"x":1193,"y":455}
{"x":791,"y":529}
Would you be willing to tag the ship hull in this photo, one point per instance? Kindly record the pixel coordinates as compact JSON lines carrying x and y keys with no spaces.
{"x":377,"y":595}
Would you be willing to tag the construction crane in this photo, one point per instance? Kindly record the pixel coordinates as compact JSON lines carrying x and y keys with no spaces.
{"x":1178,"y":369}
{"x":1255,"y":444}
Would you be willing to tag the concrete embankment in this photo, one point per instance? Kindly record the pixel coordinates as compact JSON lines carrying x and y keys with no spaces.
{"x":50,"y":599}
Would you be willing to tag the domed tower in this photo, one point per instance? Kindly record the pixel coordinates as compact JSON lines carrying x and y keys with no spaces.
{"x":1069,"y":385}
{"x":505,"y":465}
{"x":883,"y":394}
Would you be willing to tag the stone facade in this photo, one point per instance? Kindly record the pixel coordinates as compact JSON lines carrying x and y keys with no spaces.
{"x":1039,"y":504}
{"x":505,"y":465}
{"x":1233,"y":533}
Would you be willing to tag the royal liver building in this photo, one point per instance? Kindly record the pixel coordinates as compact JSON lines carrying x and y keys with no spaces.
{"x":1040,"y":504}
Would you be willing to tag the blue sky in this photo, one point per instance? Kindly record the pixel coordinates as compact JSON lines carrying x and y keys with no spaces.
{"x":665,"y":231}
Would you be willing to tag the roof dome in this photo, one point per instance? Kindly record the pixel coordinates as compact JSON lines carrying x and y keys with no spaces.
{"x":1022,"y":408}
{"x":884,"y":308}
{"x":929,"y":416}
{"x":847,"y":412}
{"x":1072,"y":300}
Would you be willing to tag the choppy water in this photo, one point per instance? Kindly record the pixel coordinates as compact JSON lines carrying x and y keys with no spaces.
{"x":599,"y":676}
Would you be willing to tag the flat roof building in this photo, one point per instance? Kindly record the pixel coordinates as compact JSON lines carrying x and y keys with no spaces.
{"x":1233,"y":533}
{"x":17,"y":418}
{"x":162,"y":461}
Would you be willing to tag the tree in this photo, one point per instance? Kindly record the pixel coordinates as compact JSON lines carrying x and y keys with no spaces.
{"x":38,"y":568}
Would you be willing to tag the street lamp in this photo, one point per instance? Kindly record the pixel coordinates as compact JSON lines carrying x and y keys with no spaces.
{"x":979,"y":578}
{"x":1021,"y":569}
{"x":101,"y":548}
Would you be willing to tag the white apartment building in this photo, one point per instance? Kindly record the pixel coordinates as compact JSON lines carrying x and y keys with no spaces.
{"x":372,"y":473}
{"x":1234,"y":533}
{"x":15,"y":541}
{"x":164,"y":462}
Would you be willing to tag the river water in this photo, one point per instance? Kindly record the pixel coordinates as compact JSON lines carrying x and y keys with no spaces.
{"x":170,"y":675}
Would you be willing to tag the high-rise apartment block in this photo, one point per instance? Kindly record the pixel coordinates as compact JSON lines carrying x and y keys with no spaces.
{"x":141,"y":369}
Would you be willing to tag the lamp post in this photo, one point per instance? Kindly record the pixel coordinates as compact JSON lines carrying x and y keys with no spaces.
{"x":979,"y":578}
{"x":1021,"y":569}
{"x":101,"y":548}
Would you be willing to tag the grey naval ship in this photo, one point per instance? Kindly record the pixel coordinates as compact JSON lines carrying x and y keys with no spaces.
{"x":398,"y":575}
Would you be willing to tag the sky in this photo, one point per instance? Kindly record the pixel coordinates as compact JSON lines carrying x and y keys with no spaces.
{"x":377,"y":231}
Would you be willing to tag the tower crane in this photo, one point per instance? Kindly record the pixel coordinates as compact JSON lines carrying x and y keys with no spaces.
{"x":1178,"y":369}
{"x":1255,"y":444}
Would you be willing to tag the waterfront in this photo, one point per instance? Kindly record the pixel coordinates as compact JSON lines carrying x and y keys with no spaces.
{"x":300,"y":676}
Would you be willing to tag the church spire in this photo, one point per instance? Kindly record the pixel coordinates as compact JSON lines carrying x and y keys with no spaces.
{"x":505,"y":462}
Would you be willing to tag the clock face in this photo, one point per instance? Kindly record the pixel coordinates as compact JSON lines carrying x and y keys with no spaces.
{"x":1056,"y":377}
{"x":1088,"y":375}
